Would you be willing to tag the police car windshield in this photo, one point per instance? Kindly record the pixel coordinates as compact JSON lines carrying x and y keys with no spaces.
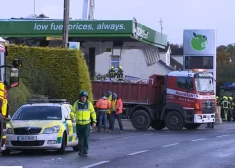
{"x":204,"y":84}
{"x":38,"y":113}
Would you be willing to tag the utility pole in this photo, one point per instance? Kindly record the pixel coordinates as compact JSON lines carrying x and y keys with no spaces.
{"x":34,"y":6}
{"x":66,"y":24}
{"x":161,"y":26}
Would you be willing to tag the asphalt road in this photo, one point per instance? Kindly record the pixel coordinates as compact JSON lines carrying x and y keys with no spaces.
{"x":202,"y":148}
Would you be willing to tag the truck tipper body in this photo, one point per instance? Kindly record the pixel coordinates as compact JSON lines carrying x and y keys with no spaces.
{"x":176,"y":100}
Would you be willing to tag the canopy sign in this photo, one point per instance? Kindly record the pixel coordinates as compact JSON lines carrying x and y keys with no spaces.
{"x":81,"y":28}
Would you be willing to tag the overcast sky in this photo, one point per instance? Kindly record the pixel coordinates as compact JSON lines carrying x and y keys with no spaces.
{"x":177,"y":15}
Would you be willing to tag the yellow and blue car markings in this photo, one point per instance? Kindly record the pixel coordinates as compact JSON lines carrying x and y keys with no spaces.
{"x":64,"y":126}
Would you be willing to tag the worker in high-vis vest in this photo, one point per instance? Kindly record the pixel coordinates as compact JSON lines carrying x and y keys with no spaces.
{"x":230,"y":112}
{"x":112,"y":73}
{"x":233,"y":113}
{"x":82,"y":112}
{"x":103,"y":105}
{"x":109,"y":98}
{"x":117,"y":107}
{"x":120,"y":73}
{"x":217,"y":100}
{"x":225,"y":108}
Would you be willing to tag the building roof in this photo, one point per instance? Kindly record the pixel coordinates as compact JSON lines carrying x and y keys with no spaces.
{"x":174,"y":51}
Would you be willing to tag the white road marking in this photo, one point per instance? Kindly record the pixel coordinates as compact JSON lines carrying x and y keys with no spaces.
{"x":95,"y":164}
{"x":137,"y":152}
{"x":194,"y":140}
{"x":170,"y":145}
{"x":221,"y":136}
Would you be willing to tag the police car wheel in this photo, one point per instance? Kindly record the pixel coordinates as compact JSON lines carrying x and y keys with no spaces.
{"x":63,"y":145}
{"x":6,"y":152}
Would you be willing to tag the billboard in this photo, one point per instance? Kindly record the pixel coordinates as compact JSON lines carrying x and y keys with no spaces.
{"x":200,"y":50}
{"x":199,"y":42}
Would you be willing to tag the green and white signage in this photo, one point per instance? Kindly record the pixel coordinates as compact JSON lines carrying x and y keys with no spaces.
{"x":81,"y":28}
{"x":199,"y":42}
{"x":36,"y":27}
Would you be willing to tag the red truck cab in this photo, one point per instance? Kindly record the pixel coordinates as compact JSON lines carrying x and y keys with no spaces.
{"x":176,"y":100}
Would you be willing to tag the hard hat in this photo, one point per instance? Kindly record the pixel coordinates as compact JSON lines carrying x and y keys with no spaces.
{"x":112,"y":67}
{"x":109,"y":93}
{"x":103,"y":94}
{"x":83,"y":93}
{"x":217,"y":97}
{"x":120,"y":67}
{"x":114,"y":96}
{"x":230,"y":98}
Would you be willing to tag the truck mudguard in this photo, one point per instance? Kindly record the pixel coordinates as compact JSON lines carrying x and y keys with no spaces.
{"x":148,"y":109}
{"x":171,"y":107}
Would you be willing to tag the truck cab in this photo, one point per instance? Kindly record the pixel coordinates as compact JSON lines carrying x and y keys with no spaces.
{"x":191,"y":93}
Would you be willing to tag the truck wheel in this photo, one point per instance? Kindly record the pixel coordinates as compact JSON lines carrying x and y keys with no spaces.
{"x":158,"y":124}
{"x":174,"y":121}
{"x":141,"y":120}
{"x":191,"y":126}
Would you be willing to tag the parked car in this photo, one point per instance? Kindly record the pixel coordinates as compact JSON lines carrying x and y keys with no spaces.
{"x":40,"y":125}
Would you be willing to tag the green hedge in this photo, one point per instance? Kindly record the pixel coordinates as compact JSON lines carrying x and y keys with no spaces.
{"x":53,"y":72}
{"x":17,"y":97}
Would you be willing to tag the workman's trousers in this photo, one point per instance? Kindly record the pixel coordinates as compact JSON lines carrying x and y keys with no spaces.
{"x":230,"y":115}
{"x":210,"y":125}
{"x":118,"y":117}
{"x":102,"y":119}
{"x":224,"y":113}
{"x":109,"y":120}
{"x":83,"y":132}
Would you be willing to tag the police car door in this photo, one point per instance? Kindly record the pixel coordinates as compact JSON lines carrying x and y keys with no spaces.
{"x":72,"y":126}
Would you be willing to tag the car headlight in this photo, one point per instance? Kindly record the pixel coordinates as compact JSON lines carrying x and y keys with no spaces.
{"x":9,"y":131}
{"x":51,"y":130}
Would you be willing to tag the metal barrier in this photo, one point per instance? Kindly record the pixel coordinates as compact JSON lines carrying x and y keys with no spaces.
{"x":218,"y":118}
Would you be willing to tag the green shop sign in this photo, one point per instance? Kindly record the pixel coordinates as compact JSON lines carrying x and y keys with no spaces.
{"x":42,"y":28}
{"x":80,"y":28}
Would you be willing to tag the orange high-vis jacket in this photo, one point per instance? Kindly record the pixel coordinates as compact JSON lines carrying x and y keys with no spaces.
{"x":103,"y":104}
{"x":119,"y":106}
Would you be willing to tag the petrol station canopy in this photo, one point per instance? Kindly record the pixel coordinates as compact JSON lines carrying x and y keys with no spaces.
{"x":99,"y":34}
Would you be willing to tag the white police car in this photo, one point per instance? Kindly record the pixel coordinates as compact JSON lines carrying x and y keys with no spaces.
{"x":41,"y":126}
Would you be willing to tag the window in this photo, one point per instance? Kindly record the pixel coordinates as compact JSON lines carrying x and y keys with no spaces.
{"x":115,"y":61}
{"x":200,"y":62}
{"x":185,"y":83}
{"x":38,"y":113}
{"x":66,"y":112}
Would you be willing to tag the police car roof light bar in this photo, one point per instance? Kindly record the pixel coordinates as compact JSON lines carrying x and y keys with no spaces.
{"x":47,"y":101}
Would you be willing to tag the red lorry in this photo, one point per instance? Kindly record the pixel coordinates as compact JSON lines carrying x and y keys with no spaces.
{"x":176,"y":100}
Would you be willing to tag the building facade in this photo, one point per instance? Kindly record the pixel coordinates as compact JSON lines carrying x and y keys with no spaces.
{"x":134,"y":64}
